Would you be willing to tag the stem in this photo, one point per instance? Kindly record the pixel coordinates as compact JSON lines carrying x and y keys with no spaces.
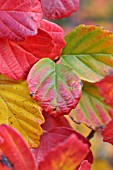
{"x":74,"y":120}
{"x":90,"y":136}
{"x":57,"y":59}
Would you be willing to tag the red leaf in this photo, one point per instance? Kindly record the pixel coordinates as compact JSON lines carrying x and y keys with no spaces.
{"x":85,"y":165}
{"x":57,"y":34}
{"x":108,"y":132}
{"x":59,"y":9}
{"x":2,"y":167}
{"x":14,"y":151}
{"x":51,"y":122}
{"x":19,"y":19}
{"x":50,"y":139}
{"x":44,"y":48}
{"x":106,"y":89}
{"x":17,"y":58}
{"x":68,"y":156}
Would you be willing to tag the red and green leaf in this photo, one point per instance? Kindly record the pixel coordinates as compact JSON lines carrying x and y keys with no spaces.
{"x":59,"y":9}
{"x":14,"y":152}
{"x":91,"y":109}
{"x":19,"y":19}
{"x":108,"y":132}
{"x":89,"y":52}
{"x":55,"y":87}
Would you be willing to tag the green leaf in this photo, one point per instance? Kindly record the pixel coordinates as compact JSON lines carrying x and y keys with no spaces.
{"x":55,"y":87}
{"x":89,"y":51}
{"x":91,"y":109}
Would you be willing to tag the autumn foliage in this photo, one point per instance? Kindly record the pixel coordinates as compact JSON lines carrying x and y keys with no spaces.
{"x":44,"y":76}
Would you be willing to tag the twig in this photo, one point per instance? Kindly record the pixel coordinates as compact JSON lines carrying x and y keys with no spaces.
{"x":90,"y":136}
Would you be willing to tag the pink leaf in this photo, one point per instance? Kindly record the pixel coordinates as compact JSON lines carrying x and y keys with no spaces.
{"x":56,"y":9}
{"x":108,"y":132}
{"x":19,"y":18}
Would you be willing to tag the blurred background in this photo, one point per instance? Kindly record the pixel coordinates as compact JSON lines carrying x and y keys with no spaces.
{"x":93,"y":12}
{"x":96,"y":12}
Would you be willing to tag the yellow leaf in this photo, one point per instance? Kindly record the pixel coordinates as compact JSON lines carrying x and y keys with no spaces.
{"x":101,"y":164}
{"x":18,"y":110}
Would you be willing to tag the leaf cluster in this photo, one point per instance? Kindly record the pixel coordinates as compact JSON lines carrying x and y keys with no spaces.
{"x":44,"y":76}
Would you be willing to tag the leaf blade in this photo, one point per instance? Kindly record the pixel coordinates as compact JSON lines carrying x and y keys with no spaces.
{"x":89,"y":52}
{"x":20,"y":111}
{"x":57,"y":89}
{"x":107,"y":133}
{"x":60,"y":8}
{"x":91,"y":109}
{"x":15,"y":152}
{"x":19,"y":19}
{"x":52,"y":138}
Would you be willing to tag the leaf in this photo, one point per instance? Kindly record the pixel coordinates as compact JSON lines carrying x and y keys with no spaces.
{"x":106,"y":89}
{"x":51,"y":122}
{"x":59,"y":9}
{"x":55,"y":87}
{"x":19,"y":19}
{"x":108,"y":132}
{"x":85,"y":166}
{"x":52,"y":138}
{"x":57,"y":34}
{"x":14,"y":152}
{"x":19,"y":110}
{"x":68,"y":156}
{"x":91,"y":109}
{"x":17,"y":59}
{"x":89,"y":52}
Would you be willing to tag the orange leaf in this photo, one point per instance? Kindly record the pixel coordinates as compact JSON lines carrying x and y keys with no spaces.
{"x":52,"y":138}
{"x":68,"y":156}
